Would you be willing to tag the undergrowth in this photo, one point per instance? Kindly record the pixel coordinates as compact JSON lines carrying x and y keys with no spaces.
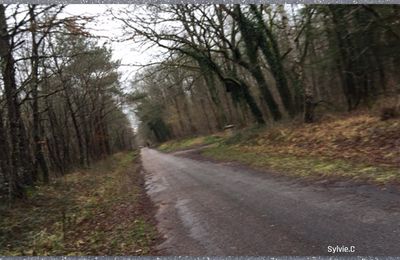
{"x":99,"y":211}
{"x":359,"y":147}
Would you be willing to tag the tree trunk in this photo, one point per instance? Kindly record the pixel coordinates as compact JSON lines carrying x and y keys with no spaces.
{"x":251,"y":38}
{"x":37,"y":137}
{"x":10,"y":90}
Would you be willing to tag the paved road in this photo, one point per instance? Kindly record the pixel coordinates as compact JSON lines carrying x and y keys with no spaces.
{"x":207,"y":208}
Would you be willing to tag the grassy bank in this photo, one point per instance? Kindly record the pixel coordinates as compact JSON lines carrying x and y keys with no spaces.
{"x":309,"y":167}
{"x":192,"y":142}
{"x":100,"y":211}
{"x":361,"y":148}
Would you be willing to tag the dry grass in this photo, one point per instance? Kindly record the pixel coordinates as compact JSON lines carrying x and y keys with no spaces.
{"x":358,"y":146}
{"x":100,"y":211}
{"x":363,"y":139}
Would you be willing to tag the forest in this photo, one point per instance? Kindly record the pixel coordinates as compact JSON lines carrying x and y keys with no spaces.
{"x":62,"y":104}
{"x":247,"y":65}
{"x":308,"y":92}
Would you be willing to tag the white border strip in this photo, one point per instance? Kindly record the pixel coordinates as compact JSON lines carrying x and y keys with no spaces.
{"x":200,"y":1}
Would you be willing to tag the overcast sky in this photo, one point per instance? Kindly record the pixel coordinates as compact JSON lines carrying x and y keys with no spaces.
{"x":127,"y":52}
{"x":110,"y":30}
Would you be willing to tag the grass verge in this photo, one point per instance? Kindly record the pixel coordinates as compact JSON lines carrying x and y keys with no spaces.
{"x":358,"y":147}
{"x":191,"y":142}
{"x":100,"y":211}
{"x":307,"y":167}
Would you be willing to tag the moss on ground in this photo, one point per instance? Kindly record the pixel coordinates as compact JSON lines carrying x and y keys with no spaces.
{"x":100,"y":211}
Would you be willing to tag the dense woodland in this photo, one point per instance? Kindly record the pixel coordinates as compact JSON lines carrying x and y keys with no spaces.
{"x":260,"y":64}
{"x":62,"y":104}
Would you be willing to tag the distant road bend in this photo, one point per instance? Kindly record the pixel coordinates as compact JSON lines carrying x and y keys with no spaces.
{"x":207,"y":208}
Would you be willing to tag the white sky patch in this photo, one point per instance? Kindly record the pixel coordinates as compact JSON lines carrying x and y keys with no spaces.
{"x":110,"y":32}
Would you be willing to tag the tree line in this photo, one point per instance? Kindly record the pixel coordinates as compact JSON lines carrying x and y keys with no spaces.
{"x":259,"y":64}
{"x":61,"y":102}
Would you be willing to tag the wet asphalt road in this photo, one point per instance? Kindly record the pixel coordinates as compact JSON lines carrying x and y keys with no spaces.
{"x":207,"y":208}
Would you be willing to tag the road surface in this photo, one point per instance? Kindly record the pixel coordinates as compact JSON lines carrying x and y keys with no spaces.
{"x":207,"y":208}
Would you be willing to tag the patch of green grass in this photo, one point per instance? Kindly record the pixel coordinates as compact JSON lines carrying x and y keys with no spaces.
{"x":97,"y":211}
{"x":306,"y":167}
{"x":211,"y":139}
{"x":187,"y":143}
{"x":248,"y":136}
